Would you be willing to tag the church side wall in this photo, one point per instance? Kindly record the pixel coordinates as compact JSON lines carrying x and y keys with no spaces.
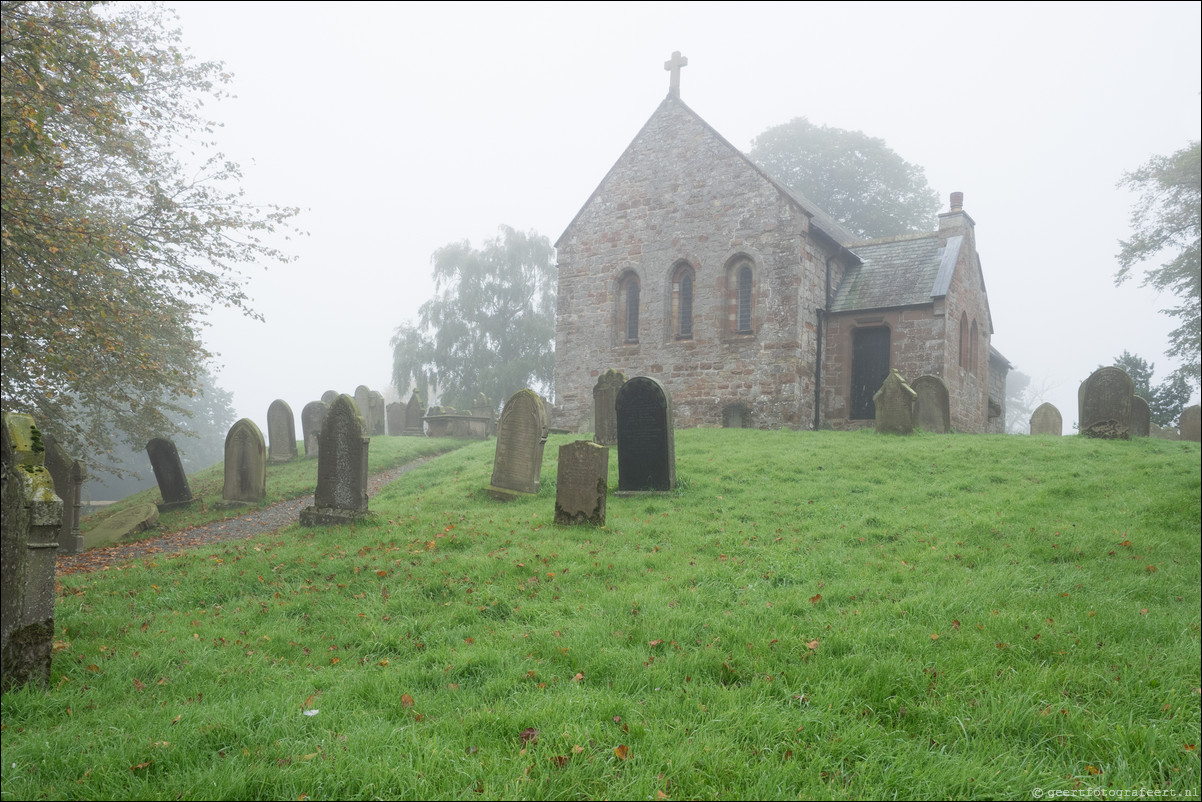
{"x":968,"y":386}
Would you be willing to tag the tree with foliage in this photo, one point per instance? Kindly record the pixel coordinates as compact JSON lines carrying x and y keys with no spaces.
{"x":113,"y":247}
{"x":853,"y":177}
{"x":1165,"y":223}
{"x":1165,"y":400}
{"x":490,"y":327}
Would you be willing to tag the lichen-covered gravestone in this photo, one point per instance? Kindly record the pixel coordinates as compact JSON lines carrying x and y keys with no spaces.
{"x":1046,"y":419}
{"x":932,"y":407}
{"x":245,"y":465}
{"x":521,"y":437}
{"x":895,"y":405}
{"x":415,"y":410}
{"x":646,"y":439}
{"x":281,"y":432}
{"x":605,"y":418}
{"x":31,"y":516}
{"x":169,"y":473}
{"x":1191,"y":423}
{"x":341,"y":495}
{"x":312,"y":415}
{"x":68,"y":475}
{"x":580,"y":483}
{"x":1104,"y":401}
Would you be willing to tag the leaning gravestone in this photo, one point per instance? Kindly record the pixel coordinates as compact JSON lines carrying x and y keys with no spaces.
{"x":521,"y":437}
{"x":245,"y":465}
{"x":341,"y":495}
{"x":580,"y":483}
{"x":1191,"y":423}
{"x":895,"y":405}
{"x":415,"y":410}
{"x":1104,"y":404}
{"x":68,"y":475}
{"x":281,"y":432}
{"x":605,"y":420}
{"x":1141,"y":417}
{"x":396,"y":418}
{"x":122,"y":525}
{"x":1046,"y":419}
{"x":932,"y":408}
{"x":645,"y":435}
{"x":31,"y":517}
{"x":312,"y":415}
{"x":169,"y":473}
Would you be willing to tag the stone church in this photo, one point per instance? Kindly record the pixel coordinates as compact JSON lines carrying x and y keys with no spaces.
{"x":752,"y":306}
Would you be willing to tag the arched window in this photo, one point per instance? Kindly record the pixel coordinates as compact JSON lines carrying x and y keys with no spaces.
{"x":964,"y":343}
{"x":744,"y":290}
{"x":682,"y":302}
{"x":740,"y":296}
{"x":628,"y":308}
{"x":972,"y":357}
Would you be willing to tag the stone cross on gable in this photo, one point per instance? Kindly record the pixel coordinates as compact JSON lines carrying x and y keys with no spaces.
{"x":673,"y":66}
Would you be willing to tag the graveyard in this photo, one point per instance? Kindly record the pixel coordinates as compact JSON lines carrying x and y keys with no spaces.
{"x":798,"y":614}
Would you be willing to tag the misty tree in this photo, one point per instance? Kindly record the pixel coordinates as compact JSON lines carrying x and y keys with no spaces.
{"x":856,"y":178}
{"x":1165,"y":400}
{"x":1022,"y":399}
{"x":1165,"y":224}
{"x":490,"y":328}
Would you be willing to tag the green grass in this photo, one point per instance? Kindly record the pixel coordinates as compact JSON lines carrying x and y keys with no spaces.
{"x":813,"y":615}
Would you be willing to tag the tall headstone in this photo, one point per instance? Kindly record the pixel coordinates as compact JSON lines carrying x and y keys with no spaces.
{"x":1046,"y":419}
{"x":1191,"y":424}
{"x":245,"y":465}
{"x":605,"y":419}
{"x":580,"y":483}
{"x":169,"y":473}
{"x":646,"y":439}
{"x":312,"y":415}
{"x":932,"y":406}
{"x":68,"y":476}
{"x":341,"y":495}
{"x":415,"y":410}
{"x":1141,"y":417}
{"x":363,"y":403}
{"x":378,"y":414}
{"x":329,"y":396}
{"x":281,"y":432}
{"x":482,"y":409}
{"x":32,"y":514}
{"x":396,"y":418}
{"x":521,"y":437}
{"x":895,"y":405}
{"x":1104,"y":401}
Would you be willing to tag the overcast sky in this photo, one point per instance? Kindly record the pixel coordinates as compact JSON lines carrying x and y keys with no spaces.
{"x":402,"y":127}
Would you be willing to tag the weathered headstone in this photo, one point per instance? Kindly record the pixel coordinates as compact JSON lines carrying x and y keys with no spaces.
{"x":1141,"y":417}
{"x":169,"y":473}
{"x":895,"y":405}
{"x":68,"y":475}
{"x":646,"y":439}
{"x":341,"y":495}
{"x":32,"y":514}
{"x":1104,"y":401}
{"x":312,"y":415}
{"x":415,"y":410}
{"x":245,"y":465}
{"x":329,"y":396}
{"x":363,"y":403}
{"x":396,"y":418}
{"x":521,"y":436}
{"x":378,"y":414}
{"x":1190,"y":424}
{"x":932,"y":407}
{"x":580,"y":483}
{"x":1046,"y":419}
{"x":122,"y":525}
{"x":482,"y":410}
{"x":281,"y":432}
{"x":605,"y":419}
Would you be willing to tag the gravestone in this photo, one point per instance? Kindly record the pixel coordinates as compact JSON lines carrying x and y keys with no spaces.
{"x":378,"y":414}
{"x":895,"y":405}
{"x":1104,"y":404}
{"x":1190,"y":424}
{"x":1141,"y":417}
{"x":396,"y":418}
{"x":580,"y":483}
{"x":68,"y":475}
{"x":415,"y":410}
{"x":312,"y":415}
{"x":482,"y":409}
{"x":31,"y":517}
{"x":363,"y":403}
{"x":932,"y":407}
{"x":245,"y":465}
{"x":521,"y":436}
{"x":169,"y":473}
{"x":281,"y":432}
{"x":646,"y":440}
{"x":341,"y":495}
{"x":1046,"y":419}
{"x":122,"y":525}
{"x":605,"y":419}
{"x":329,"y":396}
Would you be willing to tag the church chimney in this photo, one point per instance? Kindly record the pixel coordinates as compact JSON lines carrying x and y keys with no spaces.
{"x":956,"y":221}
{"x":957,"y":201}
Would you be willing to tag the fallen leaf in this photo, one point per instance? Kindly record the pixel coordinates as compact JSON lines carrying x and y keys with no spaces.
{"x":622,"y":751}
{"x":817,"y":597}
{"x":812,"y":645}
{"x":406,"y":700}
{"x":529,"y":736}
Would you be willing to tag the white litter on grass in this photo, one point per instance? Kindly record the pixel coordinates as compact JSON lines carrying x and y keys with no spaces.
{"x":310,"y":712}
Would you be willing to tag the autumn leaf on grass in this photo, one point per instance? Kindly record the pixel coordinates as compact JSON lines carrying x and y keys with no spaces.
{"x":817,"y":597}
{"x":622,"y":751}
{"x":406,"y":700}
{"x":812,"y":645}
{"x":529,"y":736}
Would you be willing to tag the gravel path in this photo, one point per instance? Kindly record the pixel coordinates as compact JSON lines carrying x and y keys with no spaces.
{"x":259,"y":522}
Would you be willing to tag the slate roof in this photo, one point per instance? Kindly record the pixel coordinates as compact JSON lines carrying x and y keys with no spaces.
{"x":899,"y":271}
